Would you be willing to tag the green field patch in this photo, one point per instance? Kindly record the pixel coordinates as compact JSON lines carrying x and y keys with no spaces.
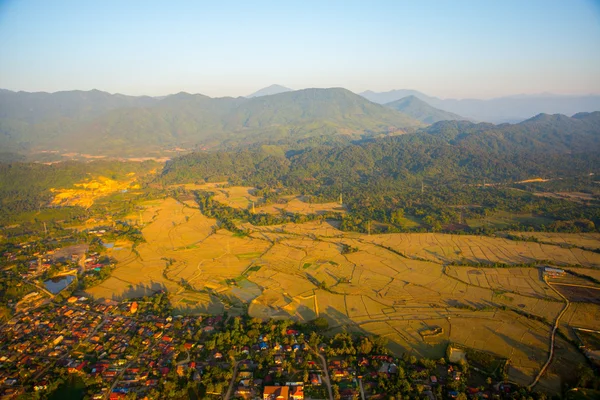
{"x":188,"y":301}
{"x":408,"y":221}
{"x":487,"y":362}
{"x":247,"y":256}
{"x":306,"y":265}
{"x":505,"y":219}
{"x":333,"y":263}
{"x":254,"y":268}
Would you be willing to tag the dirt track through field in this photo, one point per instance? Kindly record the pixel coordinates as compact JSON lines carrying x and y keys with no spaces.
{"x":552,"y":338}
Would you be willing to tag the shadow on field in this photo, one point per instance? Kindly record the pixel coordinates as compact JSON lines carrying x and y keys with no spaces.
{"x":140,"y":290}
{"x":534,"y":354}
{"x":213,"y":307}
{"x":340,"y":322}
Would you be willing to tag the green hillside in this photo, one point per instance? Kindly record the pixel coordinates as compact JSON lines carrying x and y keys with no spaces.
{"x":420,"y":110}
{"x":434,"y":175}
{"x":100,"y":123}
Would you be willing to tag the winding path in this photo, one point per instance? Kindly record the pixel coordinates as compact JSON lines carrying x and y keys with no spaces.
{"x":552,"y":338}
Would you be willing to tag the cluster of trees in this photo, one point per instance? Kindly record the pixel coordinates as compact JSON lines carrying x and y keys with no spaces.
{"x":227,"y":215}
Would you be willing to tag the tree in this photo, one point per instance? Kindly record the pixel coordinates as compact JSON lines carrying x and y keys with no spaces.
{"x":365,"y":346}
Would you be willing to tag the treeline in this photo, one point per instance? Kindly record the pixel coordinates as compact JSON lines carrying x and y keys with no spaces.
{"x":227,"y":215}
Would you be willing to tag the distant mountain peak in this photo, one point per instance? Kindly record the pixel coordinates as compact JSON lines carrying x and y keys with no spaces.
{"x":392,"y":95}
{"x":422,"y":111}
{"x":269,"y":90}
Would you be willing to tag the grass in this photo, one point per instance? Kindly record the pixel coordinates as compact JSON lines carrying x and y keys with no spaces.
{"x":505,"y":219}
{"x":307,"y":265}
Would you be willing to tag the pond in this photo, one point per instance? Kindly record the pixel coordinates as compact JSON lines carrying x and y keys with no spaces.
{"x":56,"y":285}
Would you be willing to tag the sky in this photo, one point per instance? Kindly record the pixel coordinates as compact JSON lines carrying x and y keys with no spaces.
{"x":449,"y":49}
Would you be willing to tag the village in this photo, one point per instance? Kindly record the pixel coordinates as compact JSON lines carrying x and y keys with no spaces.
{"x":137,"y":349}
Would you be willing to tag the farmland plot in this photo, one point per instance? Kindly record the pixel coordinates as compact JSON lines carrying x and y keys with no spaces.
{"x":393,"y":285}
{"x":480,"y":249}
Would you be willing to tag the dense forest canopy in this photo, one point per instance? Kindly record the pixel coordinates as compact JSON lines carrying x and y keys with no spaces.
{"x":441,"y":173}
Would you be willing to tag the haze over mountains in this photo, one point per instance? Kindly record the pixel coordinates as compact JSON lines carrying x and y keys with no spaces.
{"x":99,"y":123}
{"x":499,"y":110}
{"x":269,"y":90}
{"x":418,"y":109}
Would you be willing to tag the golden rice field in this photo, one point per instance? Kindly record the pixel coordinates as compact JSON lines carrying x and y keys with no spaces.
{"x":85,"y":193}
{"x":589,"y":240}
{"x":395,"y":285}
{"x":242,"y":197}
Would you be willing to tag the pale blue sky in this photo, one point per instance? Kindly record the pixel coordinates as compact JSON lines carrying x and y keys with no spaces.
{"x":477,"y":48}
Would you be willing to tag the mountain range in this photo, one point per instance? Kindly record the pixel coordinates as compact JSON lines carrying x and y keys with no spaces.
{"x":269,"y":90}
{"x":100,"y":123}
{"x":96,"y":122}
{"x":499,"y":110}
{"x":420,"y":110}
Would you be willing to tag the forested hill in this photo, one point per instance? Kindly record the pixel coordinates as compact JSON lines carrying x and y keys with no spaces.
{"x":100,"y":123}
{"x":449,"y":150}
{"x":435,"y":172}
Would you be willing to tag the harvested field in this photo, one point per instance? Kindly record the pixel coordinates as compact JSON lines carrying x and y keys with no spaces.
{"x":396,"y":285}
{"x":525,"y":281}
{"x":582,"y":315}
{"x":444,"y":248}
{"x":588,"y":240}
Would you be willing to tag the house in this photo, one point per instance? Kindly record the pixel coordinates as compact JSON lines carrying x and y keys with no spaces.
{"x":297,"y":392}
{"x":134,"y":307}
{"x":276,"y":393}
{"x":553,"y":272}
{"x":315,"y":379}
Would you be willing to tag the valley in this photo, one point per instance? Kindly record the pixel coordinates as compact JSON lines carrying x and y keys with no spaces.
{"x":483,"y":292}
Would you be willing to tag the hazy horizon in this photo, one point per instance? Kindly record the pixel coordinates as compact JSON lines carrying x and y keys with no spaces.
{"x":463,"y":49}
{"x":541,"y":94}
